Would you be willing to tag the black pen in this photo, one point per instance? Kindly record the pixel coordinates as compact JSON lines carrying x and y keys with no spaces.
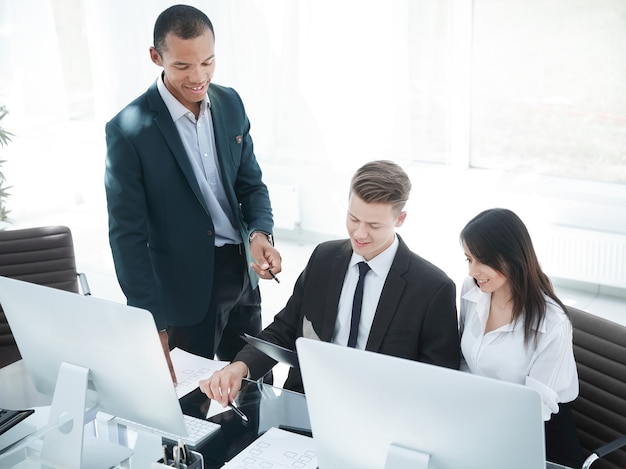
{"x":238,"y":411}
{"x":273,"y":276}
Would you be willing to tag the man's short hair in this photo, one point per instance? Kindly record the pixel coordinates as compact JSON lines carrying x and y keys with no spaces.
{"x":382,"y":181}
{"x":184,"y":21}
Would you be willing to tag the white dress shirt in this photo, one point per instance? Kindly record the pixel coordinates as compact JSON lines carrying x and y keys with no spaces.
{"x":546,"y":365}
{"x":372,"y":288}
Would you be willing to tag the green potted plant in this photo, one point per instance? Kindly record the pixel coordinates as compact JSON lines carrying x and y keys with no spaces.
{"x":5,"y":138}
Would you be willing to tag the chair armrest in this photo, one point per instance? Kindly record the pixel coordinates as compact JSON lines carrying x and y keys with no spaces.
{"x":84,"y":285}
{"x":604,"y":450}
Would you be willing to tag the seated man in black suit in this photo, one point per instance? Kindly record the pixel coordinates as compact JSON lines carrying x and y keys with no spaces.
{"x":408,"y":305}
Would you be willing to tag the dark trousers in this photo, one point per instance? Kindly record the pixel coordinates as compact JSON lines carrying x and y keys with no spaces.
{"x":235,"y":308}
{"x":562,"y":443}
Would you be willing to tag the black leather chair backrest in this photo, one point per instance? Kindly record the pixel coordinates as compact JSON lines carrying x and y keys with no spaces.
{"x":600,"y":409}
{"x":42,"y":255}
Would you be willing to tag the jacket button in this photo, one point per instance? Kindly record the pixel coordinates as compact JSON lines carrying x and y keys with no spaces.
{"x":209,"y":233}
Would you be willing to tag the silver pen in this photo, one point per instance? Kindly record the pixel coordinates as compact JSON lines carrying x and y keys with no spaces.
{"x":238,"y":411}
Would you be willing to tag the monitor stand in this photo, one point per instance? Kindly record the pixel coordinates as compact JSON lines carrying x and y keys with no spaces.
{"x":400,"y":457}
{"x":65,"y":445}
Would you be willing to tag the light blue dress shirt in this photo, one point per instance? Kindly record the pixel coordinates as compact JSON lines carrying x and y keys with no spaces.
{"x":199,"y":142}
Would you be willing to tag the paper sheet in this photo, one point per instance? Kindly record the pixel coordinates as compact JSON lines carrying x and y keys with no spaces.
{"x":278,"y":449}
{"x":190,"y":369}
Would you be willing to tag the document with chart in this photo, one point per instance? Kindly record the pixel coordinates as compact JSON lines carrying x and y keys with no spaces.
{"x":278,"y":449}
{"x":190,"y":369}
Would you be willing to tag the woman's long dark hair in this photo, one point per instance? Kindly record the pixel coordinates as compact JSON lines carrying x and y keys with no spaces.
{"x":499,"y":239}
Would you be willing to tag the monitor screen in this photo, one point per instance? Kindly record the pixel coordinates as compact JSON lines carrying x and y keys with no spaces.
{"x":118,"y":344}
{"x":369,"y":410}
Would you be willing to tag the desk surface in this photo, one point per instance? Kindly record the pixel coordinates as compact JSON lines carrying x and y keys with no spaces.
{"x":265,"y":406}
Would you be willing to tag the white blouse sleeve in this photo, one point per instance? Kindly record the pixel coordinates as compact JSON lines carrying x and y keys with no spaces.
{"x":553,"y":369}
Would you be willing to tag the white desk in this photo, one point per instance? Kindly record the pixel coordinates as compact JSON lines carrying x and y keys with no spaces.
{"x":18,"y":392}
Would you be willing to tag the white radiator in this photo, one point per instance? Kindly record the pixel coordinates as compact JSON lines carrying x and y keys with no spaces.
{"x":584,"y":255}
{"x":285,"y":205}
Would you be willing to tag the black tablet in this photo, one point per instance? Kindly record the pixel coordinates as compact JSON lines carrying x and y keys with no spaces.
{"x":274,"y":351}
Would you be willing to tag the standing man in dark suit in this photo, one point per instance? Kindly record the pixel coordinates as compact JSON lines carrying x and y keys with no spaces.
{"x":190,"y":221}
{"x":408,"y":306}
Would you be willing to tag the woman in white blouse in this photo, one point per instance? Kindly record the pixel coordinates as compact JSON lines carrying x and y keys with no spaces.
{"x":513,"y":326}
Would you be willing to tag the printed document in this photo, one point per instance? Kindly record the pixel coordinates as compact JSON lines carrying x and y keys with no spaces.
{"x":278,"y":449}
{"x":190,"y":369}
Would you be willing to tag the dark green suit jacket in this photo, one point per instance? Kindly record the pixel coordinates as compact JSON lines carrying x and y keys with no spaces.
{"x":160,"y":230}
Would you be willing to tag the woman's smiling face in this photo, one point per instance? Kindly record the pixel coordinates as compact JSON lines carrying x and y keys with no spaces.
{"x":487,"y":278}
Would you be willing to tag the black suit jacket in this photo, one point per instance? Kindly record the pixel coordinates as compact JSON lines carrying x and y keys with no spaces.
{"x":160,"y":230}
{"x":416,"y":316}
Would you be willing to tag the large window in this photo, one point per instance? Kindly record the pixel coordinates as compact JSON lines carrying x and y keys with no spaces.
{"x":429,"y":47}
{"x":548,"y":87}
{"x":485,"y":102}
{"x":534,"y":86}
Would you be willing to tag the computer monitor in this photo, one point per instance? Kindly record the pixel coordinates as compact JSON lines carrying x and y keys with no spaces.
{"x":92,"y":352}
{"x":373,"y":411}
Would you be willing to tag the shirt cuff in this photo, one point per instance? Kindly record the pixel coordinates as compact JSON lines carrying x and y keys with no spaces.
{"x":549,"y":398}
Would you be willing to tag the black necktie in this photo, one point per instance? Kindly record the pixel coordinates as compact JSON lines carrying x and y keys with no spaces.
{"x":356,"y":304}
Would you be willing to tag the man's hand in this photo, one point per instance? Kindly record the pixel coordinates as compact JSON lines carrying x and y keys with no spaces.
{"x":266,"y":255}
{"x":223,"y":385}
{"x":166,"y":350}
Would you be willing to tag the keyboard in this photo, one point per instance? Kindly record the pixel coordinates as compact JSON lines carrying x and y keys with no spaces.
{"x":10,"y":418}
{"x":198,"y":431}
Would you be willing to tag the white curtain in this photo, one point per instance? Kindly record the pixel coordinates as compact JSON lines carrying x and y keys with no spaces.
{"x":316,"y":76}
{"x":325,"y":82}
{"x":31,"y":75}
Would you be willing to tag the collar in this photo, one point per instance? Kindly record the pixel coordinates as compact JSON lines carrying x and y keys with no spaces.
{"x":381,"y":264}
{"x":483,"y":300}
{"x":176,"y":108}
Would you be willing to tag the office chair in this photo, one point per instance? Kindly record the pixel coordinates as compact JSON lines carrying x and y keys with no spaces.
{"x":42,"y":255}
{"x":600,"y":409}
{"x":603,"y":451}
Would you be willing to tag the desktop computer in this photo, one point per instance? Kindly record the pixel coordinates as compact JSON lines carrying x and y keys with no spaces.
{"x":90,"y":355}
{"x":374,"y":411}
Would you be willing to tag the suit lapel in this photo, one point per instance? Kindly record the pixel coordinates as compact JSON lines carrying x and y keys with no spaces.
{"x":390,"y":297}
{"x":222,"y":146}
{"x":166,"y":126}
{"x":334,"y":281}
